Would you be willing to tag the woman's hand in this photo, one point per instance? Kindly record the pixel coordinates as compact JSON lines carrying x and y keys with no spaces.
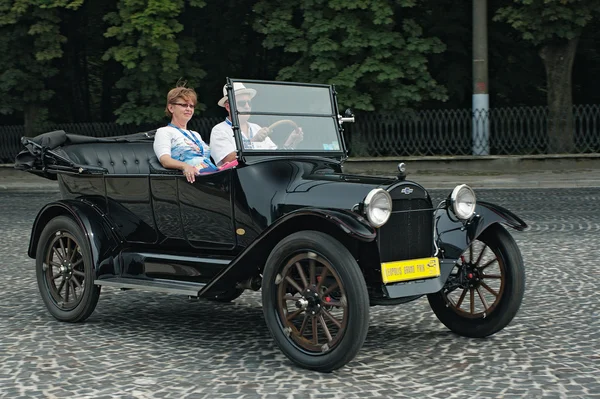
{"x":188,"y":170}
{"x":190,"y":173}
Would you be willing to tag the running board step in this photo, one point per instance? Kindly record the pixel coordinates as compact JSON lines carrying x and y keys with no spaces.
{"x":166,"y":286}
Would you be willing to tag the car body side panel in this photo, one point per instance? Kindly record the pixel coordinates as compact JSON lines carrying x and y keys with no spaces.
{"x":130,"y":207}
{"x":74,"y":185}
{"x":454,"y":236}
{"x":124,"y":198}
{"x":206,"y":210}
{"x":165,"y":205}
{"x":160,"y":265}
{"x":250,"y":262}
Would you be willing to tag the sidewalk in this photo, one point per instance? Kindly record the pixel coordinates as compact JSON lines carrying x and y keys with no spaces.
{"x":531,"y":171}
{"x":431,"y":172}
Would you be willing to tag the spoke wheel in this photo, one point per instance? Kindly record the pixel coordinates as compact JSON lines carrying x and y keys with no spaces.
{"x":485,"y":289}
{"x":312,"y":303}
{"x":64,"y":271}
{"x":315,"y":301}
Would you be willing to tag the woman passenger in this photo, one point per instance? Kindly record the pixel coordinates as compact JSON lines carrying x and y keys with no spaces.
{"x":175,"y":146}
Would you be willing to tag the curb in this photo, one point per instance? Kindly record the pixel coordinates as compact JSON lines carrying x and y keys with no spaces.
{"x":18,"y":187}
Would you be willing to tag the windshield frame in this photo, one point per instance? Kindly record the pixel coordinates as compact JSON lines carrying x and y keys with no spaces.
{"x":242,"y":154}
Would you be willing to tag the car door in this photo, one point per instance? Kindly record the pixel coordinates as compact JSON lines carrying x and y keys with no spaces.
{"x":206,"y":210}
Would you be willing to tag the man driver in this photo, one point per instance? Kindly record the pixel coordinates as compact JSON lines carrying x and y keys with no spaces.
{"x":222,"y":142}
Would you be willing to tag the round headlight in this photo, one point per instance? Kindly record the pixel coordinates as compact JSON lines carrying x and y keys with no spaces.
{"x":378,"y":207}
{"x":463,"y":201}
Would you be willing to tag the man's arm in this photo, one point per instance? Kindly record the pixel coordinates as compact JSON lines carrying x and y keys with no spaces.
{"x":228,"y":158}
{"x":222,"y":145}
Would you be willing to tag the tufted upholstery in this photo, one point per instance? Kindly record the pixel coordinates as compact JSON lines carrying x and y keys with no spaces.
{"x":116,"y":158}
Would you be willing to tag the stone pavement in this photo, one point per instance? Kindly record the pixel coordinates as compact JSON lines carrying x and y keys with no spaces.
{"x":431,"y":172}
{"x":145,"y":345}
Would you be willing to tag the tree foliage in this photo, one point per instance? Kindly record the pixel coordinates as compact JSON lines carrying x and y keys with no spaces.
{"x":31,"y":43}
{"x":543,"y":21}
{"x":83,"y":61}
{"x":376,"y":58}
{"x":155,"y":54}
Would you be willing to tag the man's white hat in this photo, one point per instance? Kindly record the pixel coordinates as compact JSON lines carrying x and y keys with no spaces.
{"x":239,"y":89}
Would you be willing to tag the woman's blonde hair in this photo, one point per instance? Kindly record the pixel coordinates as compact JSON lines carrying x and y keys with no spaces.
{"x":184,"y":93}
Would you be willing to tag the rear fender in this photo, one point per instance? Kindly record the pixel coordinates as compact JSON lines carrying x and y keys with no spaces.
{"x":454,"y":236}
{"x":104,"y":243}
{"x":347,"y":227}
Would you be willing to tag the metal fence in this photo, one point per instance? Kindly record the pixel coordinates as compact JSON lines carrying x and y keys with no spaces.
{"x":511,"y":131}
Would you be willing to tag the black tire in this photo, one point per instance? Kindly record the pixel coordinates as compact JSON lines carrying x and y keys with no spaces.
{"x":65,"y":272}
{"x":295,"y":278}
{"x":493,"y":299}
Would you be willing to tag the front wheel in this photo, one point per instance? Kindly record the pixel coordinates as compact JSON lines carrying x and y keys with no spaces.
{"x":64,"y":270}
{"x":485,"y":288}
{"x":315,"y":301}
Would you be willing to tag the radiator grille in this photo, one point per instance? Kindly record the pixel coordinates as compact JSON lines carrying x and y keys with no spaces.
{"x":407,"y":235}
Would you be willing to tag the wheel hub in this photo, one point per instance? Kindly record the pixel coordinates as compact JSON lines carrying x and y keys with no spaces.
{"x":66,"y":269}
{"x":302,"y":303}
{"x":472,"y":276}
{"x":310,"y":301}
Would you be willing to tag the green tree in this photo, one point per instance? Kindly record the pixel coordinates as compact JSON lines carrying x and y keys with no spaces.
{"x":228,"y":46}
{"x":515,"y":71}
{"x":377,"y":57}
{"x":31,"y":44}
{"x":155,"y":53}
{"x":85,"y":83}
{"x":555,"y":28}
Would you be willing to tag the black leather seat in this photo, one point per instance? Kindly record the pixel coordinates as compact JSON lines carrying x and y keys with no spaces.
{"x":116,"y":158}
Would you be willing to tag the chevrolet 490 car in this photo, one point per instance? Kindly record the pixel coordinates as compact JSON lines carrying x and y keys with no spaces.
{"x":321,"y":244}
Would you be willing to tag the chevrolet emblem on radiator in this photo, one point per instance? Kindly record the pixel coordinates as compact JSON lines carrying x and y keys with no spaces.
{"x":406,"y":190}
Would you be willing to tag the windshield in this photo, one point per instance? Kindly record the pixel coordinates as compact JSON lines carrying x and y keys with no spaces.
{"x":295,"y":118}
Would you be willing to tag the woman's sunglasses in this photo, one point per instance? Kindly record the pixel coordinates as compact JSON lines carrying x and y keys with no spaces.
{"x":185,"y":105}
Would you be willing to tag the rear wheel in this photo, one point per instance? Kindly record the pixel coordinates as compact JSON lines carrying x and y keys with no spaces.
{"x":315,"y":301}
{"x":485,"y":288}
{"x":64,"y":271}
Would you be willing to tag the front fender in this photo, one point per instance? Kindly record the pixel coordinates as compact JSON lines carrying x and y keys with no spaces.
{"x":101,"y":238}
{"x":454,"y":236}
{"x":344,"y":225}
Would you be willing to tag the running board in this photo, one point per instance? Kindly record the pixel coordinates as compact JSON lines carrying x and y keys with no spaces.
{"x":166,"y":286}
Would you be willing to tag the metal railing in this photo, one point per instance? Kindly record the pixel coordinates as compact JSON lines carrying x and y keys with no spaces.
{"x":512,"y":131}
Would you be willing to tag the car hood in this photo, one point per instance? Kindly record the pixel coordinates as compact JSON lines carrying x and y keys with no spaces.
{"x":331,"y":190}
{"x":275,"y":187}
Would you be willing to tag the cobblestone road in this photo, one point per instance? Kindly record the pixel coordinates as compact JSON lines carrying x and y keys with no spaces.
{"x":143,"y":345}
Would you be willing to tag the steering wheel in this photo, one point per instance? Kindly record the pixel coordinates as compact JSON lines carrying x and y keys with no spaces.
{"x":282,"y":122}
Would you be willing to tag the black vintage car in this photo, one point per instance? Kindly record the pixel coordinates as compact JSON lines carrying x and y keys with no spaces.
{"x":323,"y":245}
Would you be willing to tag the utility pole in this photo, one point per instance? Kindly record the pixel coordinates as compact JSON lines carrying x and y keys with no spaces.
{"x":481,"y":100}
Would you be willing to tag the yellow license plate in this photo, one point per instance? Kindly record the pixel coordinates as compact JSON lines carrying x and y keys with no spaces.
{"x":414,"y":269}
